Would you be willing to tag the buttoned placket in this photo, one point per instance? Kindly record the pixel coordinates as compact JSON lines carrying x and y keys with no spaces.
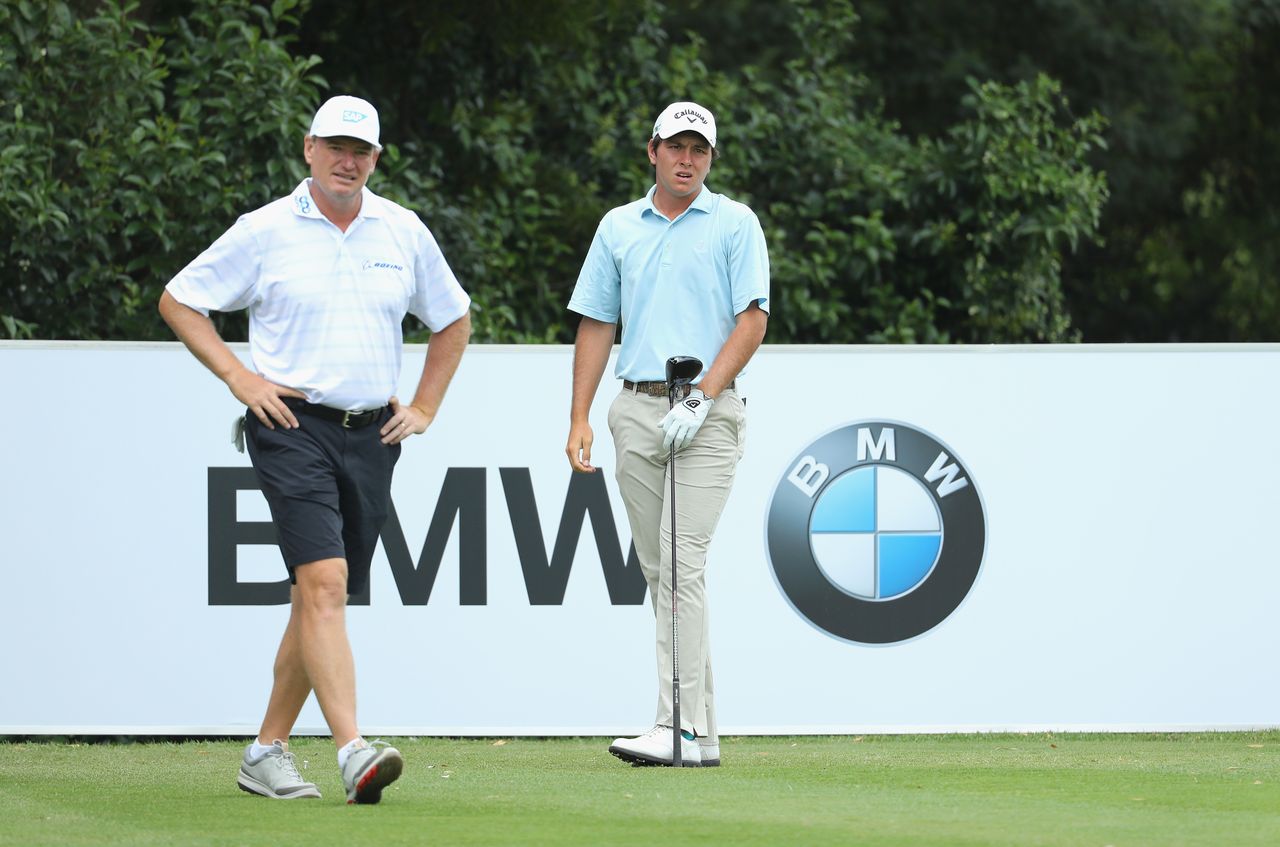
{"x":348,"y":270}
{"x":664,"y":260}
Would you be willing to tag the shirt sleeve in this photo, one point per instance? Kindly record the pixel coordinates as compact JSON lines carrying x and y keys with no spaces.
{"x":438,"y":298}
{"x":598,"y":292}
{"x":749,"y":266}
{"x":224,"y":277}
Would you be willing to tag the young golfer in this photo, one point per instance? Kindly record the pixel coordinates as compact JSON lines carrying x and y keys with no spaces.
{"x":687,"y":272}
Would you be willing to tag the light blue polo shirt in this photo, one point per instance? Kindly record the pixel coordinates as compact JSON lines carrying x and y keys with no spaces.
{"x":679,"y":285}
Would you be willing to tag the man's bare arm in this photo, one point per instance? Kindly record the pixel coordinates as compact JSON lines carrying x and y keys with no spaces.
{"x":444,"y":352}
{"x":590,"y":356}
{"x":738,"y":349}
{"x":198,"y":333}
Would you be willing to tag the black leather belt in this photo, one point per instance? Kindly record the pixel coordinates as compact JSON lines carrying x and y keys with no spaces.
{"x":657,"y":388}
{"x":345,"y":419}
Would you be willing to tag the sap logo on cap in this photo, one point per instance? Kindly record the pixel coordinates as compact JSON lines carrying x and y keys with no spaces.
{"x":683,"y":117}
{"x":875,"y":532}
{"x":347,"y":116}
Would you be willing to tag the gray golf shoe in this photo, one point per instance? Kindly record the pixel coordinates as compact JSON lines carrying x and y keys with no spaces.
{"x":274,"y":774}
{"x":369,"y":770}
{"x":710,"y":751}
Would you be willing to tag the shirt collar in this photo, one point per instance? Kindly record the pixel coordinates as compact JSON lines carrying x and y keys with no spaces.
{"x":702,"y":202}
{"x":305,"y":206}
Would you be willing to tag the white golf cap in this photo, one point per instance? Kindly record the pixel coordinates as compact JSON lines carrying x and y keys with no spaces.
{"x":349,"y":116}
{"x":683,"y":117}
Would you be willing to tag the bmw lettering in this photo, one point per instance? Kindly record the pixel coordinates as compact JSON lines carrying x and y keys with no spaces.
{"x":875,"y":532}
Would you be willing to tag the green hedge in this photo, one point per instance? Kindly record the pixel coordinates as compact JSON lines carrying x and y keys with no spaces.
{"x":127,"y":145}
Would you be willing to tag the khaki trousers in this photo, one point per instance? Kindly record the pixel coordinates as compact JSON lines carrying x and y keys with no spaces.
{"x":704,"y":474}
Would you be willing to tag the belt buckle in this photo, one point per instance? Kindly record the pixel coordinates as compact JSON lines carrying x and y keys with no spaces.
{"x":346,"y":419}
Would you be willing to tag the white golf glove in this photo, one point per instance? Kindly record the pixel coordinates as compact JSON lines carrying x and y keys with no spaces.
{"x":682,"y":422}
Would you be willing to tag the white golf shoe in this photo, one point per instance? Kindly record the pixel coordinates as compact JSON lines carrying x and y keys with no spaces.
{"x":654,"y":748}
{"x":710,"y":751}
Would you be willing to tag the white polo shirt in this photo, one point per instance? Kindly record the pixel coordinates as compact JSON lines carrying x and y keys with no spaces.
{"x":325,"y":306}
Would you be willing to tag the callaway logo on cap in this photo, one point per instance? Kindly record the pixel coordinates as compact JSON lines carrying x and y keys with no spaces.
{"x":349,"y":116}
{"x":683,"y":117}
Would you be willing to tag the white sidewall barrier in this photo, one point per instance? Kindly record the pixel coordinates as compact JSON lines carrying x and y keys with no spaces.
{"x":1105,"y":514}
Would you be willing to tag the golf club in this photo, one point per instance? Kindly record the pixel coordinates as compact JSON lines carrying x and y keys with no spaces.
{"x":681,"y":370}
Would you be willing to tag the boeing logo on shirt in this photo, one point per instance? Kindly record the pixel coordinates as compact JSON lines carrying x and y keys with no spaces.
{"x":371,"y":265}
{"x":353,"y":117}
{"x":875,"y":532}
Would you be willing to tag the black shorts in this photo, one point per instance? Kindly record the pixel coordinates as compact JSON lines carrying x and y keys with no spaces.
{"x":329,"y":489}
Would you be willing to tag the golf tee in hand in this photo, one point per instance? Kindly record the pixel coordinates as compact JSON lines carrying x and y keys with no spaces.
{"x":682,"y":422}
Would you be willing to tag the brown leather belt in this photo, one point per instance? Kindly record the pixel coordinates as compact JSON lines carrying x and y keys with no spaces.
{"x":658,"y":389}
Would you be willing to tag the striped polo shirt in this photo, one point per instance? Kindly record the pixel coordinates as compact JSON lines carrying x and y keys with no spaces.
{"x":325,"y":306}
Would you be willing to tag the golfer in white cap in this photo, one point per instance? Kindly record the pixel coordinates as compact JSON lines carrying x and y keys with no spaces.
{"x":327,"y":274}
{"x":687,"y":272}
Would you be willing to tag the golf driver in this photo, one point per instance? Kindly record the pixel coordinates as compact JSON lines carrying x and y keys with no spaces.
{"x":681,"y":370}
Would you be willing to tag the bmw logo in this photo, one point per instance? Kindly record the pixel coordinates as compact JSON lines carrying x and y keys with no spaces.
{"x":876,"y":532}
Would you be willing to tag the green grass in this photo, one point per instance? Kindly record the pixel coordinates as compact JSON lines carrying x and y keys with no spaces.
{"x":1186,"y":789}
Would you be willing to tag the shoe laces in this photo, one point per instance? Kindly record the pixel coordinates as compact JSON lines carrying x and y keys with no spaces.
{"x":289,"y":764}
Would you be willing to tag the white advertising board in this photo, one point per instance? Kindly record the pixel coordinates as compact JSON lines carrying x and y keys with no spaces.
{"x":1055,"y":537}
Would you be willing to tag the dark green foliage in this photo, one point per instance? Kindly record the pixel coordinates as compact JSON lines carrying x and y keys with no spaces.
{"x":126,"y":148}
{"x":876,"y":237}
{"x":873,"y":236}
{"x":1191,"y":93}
{"x":511,"y":128}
